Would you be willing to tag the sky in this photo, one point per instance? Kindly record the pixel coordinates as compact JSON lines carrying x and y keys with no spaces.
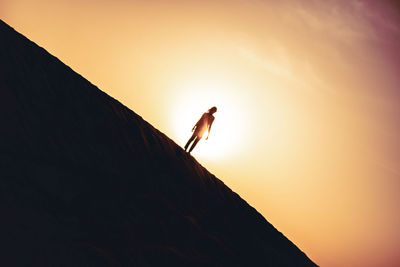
{"x":307,"y":95}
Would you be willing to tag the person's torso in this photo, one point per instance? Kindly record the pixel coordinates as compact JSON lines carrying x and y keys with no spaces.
{"x":203,"y":123}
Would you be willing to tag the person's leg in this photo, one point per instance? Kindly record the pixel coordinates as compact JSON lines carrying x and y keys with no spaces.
{"x":189,"y":141}
{"x":194,"y":143}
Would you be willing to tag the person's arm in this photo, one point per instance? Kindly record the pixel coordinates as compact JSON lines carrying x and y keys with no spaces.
{"x":209,"y":126}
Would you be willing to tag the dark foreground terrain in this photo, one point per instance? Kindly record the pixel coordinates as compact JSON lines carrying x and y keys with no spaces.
{"x":84,"y":181}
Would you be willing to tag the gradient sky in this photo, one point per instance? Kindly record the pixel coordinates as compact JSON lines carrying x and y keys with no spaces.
{"x":308,"y":95}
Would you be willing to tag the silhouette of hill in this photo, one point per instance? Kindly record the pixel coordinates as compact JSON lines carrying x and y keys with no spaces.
{"x":84,"y":181}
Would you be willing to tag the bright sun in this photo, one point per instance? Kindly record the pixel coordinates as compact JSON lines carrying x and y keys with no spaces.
{"x":227,"y":130}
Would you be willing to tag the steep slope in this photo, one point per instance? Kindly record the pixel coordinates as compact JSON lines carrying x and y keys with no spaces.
{"x":84,"y":181}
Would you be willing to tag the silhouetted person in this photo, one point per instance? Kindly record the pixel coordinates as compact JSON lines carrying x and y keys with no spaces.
{"x":201,"y":126}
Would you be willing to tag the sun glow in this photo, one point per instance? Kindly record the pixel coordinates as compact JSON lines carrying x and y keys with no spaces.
{"x":227,"y":132}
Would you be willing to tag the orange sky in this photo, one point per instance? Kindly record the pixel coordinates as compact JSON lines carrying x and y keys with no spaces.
{"x":307,"y":93}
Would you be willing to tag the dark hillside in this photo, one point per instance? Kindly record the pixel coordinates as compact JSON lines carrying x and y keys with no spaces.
{"x":84,"y":181}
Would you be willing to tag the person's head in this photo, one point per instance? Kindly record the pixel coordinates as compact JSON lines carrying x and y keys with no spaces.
{"x":212,"y":110}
